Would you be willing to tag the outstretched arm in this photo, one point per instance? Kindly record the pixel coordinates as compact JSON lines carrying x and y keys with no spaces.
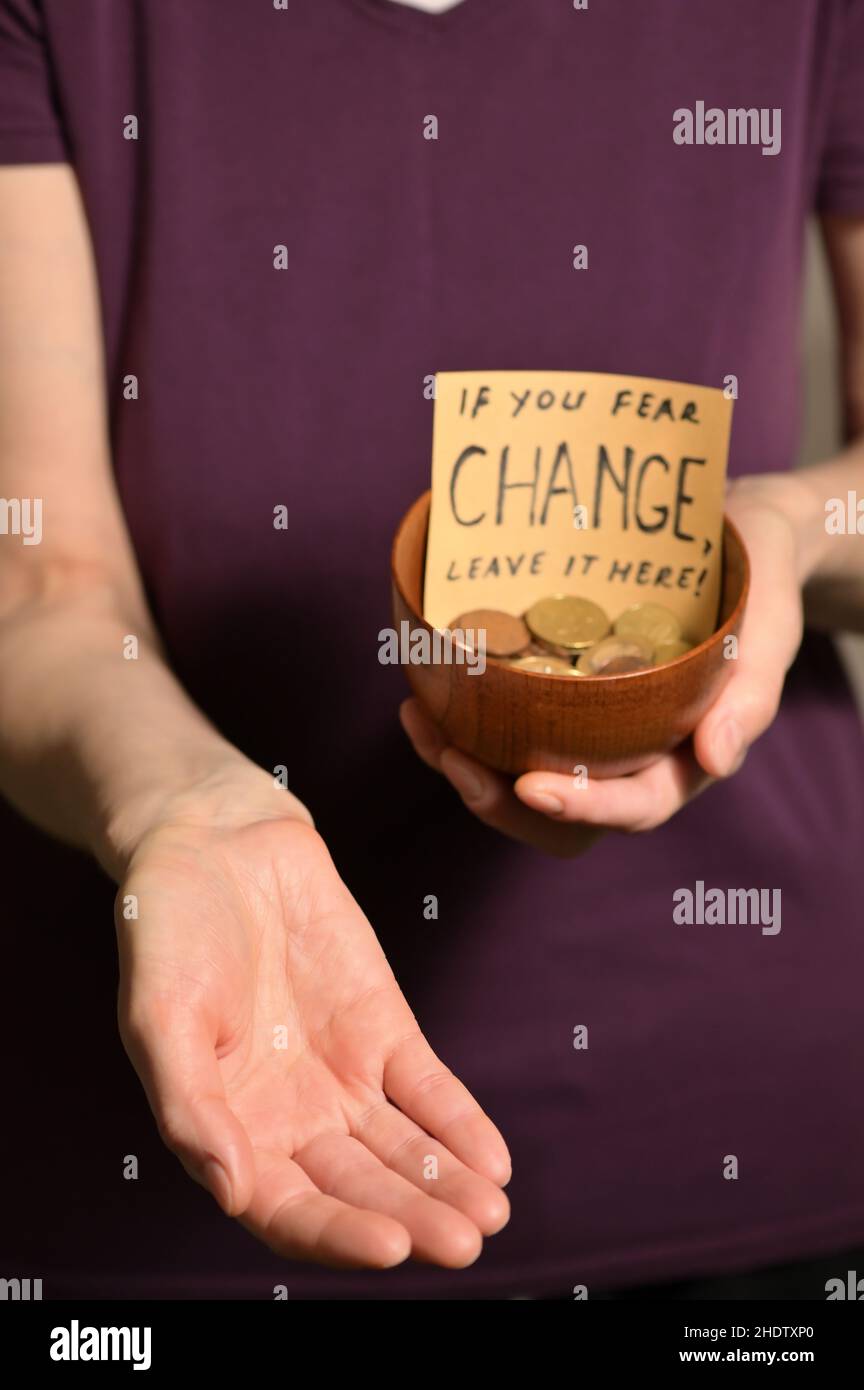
{"x":282,"y":1063}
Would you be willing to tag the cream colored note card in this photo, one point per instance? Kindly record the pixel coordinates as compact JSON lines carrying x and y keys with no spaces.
{"x":610,"y":487}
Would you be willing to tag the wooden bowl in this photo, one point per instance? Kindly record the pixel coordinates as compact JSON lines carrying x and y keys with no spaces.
{"x":520,"y":721}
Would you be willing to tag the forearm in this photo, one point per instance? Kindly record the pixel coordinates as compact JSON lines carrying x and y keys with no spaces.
{"x":97,"y":745}
{"x":830,"y":563}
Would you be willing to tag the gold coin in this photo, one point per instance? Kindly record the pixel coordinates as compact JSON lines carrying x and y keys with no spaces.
{"x":505,"y":635}
{"x":566,"y":624}
{"x":616,"y":656}
{"x":667,"y":651}
{"x":649,"y":620}
{"x":545,"y":665}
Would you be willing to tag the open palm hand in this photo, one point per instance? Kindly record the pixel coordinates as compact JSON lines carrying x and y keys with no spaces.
{"x":282,"y":1062}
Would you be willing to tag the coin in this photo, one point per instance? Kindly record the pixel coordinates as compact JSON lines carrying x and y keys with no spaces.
{"x":667,"y":651}
{"x":505,"y":635}
{"x":616,"y":656}
{"x":623,"y":666}
{"x":548,"y":665}
{"x":565,"y":624}
{"x":649,"y":620}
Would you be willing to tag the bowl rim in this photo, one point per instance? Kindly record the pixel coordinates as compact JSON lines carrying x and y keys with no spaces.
{"x":713,"y":638}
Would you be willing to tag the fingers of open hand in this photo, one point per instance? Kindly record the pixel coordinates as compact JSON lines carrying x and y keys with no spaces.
{"x":393,"y":1186}
{"x":368,"y":1201}
{"x":409,"y":1151}
{"x":343,"y":1167}
{"x":428,"y":1093}
{"x":300,"y":1222}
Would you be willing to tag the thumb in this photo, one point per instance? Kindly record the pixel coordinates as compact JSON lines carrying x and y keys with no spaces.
{"x":173,"y":1051}
{"x":770,"y":636}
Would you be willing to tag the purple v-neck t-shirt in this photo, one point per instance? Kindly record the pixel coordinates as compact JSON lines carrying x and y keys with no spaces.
{"x":303,"y":127}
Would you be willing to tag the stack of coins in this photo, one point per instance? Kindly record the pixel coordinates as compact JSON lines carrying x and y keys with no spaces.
{"x":564,"y":635}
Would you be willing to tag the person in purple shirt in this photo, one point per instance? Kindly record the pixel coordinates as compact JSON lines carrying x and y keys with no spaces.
{"x":230,"y":261}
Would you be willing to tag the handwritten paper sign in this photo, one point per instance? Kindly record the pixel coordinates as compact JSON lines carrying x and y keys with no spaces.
{"x":609,"y":487}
